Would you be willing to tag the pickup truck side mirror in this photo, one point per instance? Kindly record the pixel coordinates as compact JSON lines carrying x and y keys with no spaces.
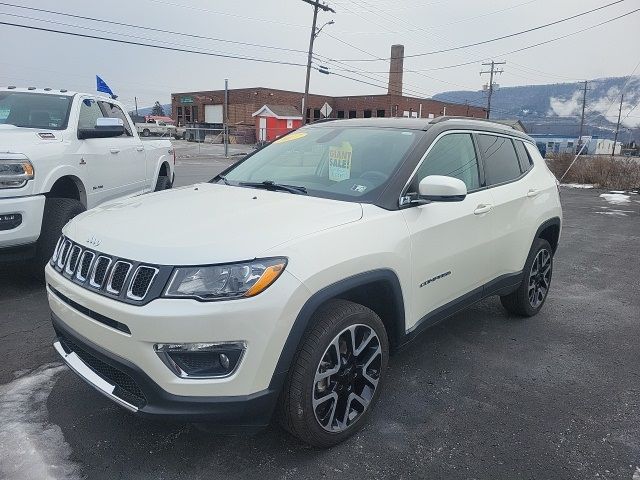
{"x":105,"y":128}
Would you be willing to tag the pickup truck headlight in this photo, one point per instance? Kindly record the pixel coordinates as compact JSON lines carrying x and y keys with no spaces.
{"x":222,"y":282}
{"x":15,"y":173}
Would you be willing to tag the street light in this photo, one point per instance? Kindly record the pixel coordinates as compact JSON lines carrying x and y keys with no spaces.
{"x":318,"y":30}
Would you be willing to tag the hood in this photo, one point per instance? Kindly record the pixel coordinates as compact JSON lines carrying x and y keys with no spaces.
{"x":206,"y":223}
{"x":15,"y":139}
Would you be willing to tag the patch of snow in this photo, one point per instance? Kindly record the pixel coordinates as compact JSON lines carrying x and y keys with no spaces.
{"x":616,"y":198}
{"x":31,"y":447}
{"x":617,"y":191}
{"x":616,"y":213}
{"x":577,"y":185}
{"x":636,"y":475}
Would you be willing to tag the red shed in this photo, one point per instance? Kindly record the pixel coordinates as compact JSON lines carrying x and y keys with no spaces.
{"x":273,"y":121}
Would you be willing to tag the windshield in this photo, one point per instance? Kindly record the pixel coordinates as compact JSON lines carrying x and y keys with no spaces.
{"x":345,"y":163}
{"x":34,"y":110}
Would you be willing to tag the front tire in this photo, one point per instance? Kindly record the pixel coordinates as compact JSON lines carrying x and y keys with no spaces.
{"x":57,"y":212}
{"x":336,"y":375}
{"x":530,"y":296}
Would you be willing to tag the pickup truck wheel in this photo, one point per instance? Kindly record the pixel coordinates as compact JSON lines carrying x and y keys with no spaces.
{"x":335,"y":378}
{"x":163,"y":183}
{"x":146,"y":132}
{"x":530,"y":296}
{"x":57,"y":212}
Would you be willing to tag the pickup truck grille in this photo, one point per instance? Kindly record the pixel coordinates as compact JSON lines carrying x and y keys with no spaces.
{"x":125,"y":280}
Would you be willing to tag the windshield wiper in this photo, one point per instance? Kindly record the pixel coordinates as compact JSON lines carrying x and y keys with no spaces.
{"x":271,"y":185}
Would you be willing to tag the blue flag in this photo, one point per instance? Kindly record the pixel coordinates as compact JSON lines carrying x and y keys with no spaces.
{"x":102,"y":86}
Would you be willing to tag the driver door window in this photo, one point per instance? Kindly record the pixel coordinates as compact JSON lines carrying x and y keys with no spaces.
{"x":89,"y":112}
{"x":113,"y":111}
{"x":452,"y":156}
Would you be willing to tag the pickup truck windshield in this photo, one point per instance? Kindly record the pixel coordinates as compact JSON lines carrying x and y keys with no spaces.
{"x":344,"y":163}
{"x":35,"y":110}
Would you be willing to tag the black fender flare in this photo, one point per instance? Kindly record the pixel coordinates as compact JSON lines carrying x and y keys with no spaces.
{"x":553,"y":221}
{"x":303,"y":319}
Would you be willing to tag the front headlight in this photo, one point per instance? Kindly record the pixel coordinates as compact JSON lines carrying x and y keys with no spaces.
{"x":15,"y":173}
{"x":221,"y":282}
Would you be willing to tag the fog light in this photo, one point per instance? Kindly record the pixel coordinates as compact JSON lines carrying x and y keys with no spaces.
{"x":224,"y":361}
{"x":201,"y":360}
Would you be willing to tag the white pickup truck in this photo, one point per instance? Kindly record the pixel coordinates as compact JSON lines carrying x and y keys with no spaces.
{"x":62,"y":153}
{"x":156,"y":127}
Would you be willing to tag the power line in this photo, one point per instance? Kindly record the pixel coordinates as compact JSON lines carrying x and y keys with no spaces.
{"x":159,"y":30}
{"x":161,"y":47}
{"x":227,"y":14}
{"x":483,"y":42}
{"x":528,"y":47}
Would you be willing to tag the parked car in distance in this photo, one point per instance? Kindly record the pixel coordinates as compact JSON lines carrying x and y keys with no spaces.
{"x":283,"y":284}
{"x":158,"y":128}
{"x":61,"y":153}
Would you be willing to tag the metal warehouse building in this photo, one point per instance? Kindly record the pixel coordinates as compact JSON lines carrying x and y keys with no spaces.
{"x":207,"y":106}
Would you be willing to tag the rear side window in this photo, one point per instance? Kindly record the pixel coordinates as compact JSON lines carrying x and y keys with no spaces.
{"x":500,"y":159}
{"x":453,"y":156}
{"x":525,"y":160}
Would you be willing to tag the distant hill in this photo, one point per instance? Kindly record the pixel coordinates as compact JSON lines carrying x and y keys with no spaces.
{"x":556,"y":108}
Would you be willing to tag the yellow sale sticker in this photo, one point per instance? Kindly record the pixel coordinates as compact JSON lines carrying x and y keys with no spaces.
{"x":291,"y":137}
{"x":340,"y":162}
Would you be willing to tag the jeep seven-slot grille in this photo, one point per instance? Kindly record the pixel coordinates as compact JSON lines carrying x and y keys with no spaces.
{"x":105,"y":274}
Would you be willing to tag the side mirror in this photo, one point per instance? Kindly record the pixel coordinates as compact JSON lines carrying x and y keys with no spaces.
{"x":105,"y":128}
{"x":438,"y":188}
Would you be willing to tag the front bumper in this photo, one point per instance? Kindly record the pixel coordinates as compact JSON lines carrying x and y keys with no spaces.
{"x":127,"y":385}
{"x":31,"y":209}
{"x":93,"y":323}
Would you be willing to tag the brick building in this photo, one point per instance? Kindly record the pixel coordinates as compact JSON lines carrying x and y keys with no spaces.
{"x":207,"y":106}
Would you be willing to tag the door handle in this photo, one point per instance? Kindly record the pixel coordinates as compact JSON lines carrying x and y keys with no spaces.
{"x":482,"y":208}
{"x":114,"y":150}
{"x":140,"y":148}
{"x":532,"y":193}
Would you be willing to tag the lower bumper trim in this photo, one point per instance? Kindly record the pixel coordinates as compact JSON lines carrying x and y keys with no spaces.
{"x":83,"y":371}
{"x":249,"y":412}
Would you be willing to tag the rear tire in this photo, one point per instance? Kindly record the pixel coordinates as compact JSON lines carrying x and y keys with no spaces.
{"x":350,"y":340}
{"x":532,"y":292}
{"x":146,"y":132}
{"x":57,"y":212}
{"x":163,"y":183}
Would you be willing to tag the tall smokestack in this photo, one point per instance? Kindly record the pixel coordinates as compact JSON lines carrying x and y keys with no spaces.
{"x":395,"y":70}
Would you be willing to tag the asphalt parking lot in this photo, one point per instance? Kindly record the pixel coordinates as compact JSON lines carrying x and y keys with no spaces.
{"x":481,"y":396}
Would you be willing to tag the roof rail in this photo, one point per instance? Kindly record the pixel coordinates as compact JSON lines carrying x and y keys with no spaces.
{"x":486,"y":120}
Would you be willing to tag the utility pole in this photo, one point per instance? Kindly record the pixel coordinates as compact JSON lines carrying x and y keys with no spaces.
{"x":615,"y":139}
{"x":491,"y":72}
{"x":584,"y":104}
{"x":226,"y":118}
{"x":135,"y":99}
{"x":316,"y":5}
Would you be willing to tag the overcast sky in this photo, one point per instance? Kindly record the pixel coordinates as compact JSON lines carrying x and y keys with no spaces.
{"x":47,"y":59}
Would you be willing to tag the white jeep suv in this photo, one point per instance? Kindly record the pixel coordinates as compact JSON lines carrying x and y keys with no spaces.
{"x":282,"y":285}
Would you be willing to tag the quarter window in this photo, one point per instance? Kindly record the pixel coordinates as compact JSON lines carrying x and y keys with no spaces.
{"x":523,"y":156}
{"x":453,"y":156}
{"x":500,"y":160}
